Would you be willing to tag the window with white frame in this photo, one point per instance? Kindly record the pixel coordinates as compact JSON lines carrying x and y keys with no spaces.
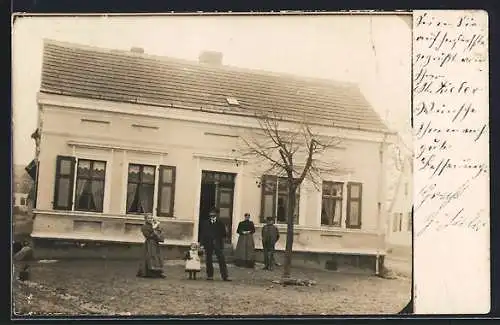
{"x":90,"y":178}
{"x":88,"y":194}
{"x":274,"y":201}
{"x":331,"y":203}
{"x":141,"y":187}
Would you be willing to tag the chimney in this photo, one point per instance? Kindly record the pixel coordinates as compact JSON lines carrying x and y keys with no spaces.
{"x":135,"y":49}
{"x":210,"y":57}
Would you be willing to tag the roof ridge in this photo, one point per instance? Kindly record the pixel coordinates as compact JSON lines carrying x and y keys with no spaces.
{"x":160,"y":58}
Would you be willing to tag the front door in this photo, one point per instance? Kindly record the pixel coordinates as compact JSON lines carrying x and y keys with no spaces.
{"x":225,"y":206}
{"x":207,"y":202}
{"x":217,"y":190}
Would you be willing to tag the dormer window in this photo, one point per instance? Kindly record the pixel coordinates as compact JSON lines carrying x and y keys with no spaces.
{"x":232,"y":101}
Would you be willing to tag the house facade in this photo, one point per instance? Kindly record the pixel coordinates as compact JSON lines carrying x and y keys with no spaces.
{"x":123,"y":133}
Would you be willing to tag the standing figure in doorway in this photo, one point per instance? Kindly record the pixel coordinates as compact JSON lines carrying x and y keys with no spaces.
{"x":270,"y":235}
{"x":213,"y":233}
{"x":152,"y":264}
{"x":245,"y":249}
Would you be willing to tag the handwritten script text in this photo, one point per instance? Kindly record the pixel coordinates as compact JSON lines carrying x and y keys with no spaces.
{"x":450,"y":122}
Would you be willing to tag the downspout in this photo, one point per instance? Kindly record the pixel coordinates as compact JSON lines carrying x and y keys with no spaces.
{"x":37,"y":137}
{"x":381,"y":199}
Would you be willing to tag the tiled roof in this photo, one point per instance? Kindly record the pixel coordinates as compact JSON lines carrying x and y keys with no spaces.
{"x":88,"y":72}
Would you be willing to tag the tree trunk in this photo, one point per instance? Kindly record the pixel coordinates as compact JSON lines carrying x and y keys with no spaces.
{"x":289,"y":233}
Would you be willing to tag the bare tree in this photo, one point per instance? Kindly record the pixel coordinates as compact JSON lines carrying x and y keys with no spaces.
{"x":293,"y":154}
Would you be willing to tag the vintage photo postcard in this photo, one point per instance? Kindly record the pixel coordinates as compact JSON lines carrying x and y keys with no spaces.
{"x":250,"y":165}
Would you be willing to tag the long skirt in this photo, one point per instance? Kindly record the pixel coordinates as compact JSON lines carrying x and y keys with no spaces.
{"x":244,"y":255}
{"x":152,"y":263}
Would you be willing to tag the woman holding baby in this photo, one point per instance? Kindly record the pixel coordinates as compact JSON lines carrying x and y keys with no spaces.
{"x":152,"y":264}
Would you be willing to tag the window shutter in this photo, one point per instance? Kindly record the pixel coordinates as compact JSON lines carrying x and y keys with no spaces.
{"x":64,"y":181}
{"x":166,"y":183}
{"x":353,"y":218}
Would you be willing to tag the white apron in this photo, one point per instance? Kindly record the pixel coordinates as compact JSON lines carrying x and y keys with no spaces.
{"x":193,"y":264}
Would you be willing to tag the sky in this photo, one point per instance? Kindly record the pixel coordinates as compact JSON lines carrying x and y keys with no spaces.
{"x":373,"y":51}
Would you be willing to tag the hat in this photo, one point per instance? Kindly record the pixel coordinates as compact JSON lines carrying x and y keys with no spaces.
{"x":213,"y":211}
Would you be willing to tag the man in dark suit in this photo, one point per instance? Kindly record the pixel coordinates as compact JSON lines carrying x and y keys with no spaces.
{"x":212,"y":238}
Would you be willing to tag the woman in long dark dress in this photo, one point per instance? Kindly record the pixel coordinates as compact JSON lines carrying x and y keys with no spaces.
{"x":245,"y":249}
{"x":152,"y":264}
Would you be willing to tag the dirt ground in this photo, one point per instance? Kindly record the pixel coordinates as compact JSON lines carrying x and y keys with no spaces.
{"x":111,"y":288}
{"x":400,"y":262}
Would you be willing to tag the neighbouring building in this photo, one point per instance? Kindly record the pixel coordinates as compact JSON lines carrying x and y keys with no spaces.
{"x":124,"y":132}
{"x":400,"y":221}
{"x":20,"y":201}
{"x":22,"y":184}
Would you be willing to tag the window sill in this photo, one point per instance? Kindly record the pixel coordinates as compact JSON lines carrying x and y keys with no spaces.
{"x":331,"y":227}
{"x":325,"y":229}
{"x":164,"y":219}
{"x":332,"y":235}
{"x":284,"y":231}
{"x":85,"y":211}
{"x":134,"y":217}
{"x":70,"y":212}
{"x":279,"y":225}
{"x":104,"y":238}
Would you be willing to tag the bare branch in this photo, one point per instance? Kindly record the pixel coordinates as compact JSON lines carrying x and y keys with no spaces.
{"x":314,"y":174}
{"x":254,"y":149}
{"x":284,"y":157}
{"x":273,"y":170}
{"x":312,"y":146}
{"x":282,"y":149}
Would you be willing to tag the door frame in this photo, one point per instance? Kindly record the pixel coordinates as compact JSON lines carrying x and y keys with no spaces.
{"x":217,"y":163}
{"x":229,"y":185}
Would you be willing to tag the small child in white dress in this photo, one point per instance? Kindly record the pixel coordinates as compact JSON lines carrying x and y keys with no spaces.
{"x":192,"y":258}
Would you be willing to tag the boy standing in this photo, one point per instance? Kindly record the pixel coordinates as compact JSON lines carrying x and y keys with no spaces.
{"x":270,"y":236}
